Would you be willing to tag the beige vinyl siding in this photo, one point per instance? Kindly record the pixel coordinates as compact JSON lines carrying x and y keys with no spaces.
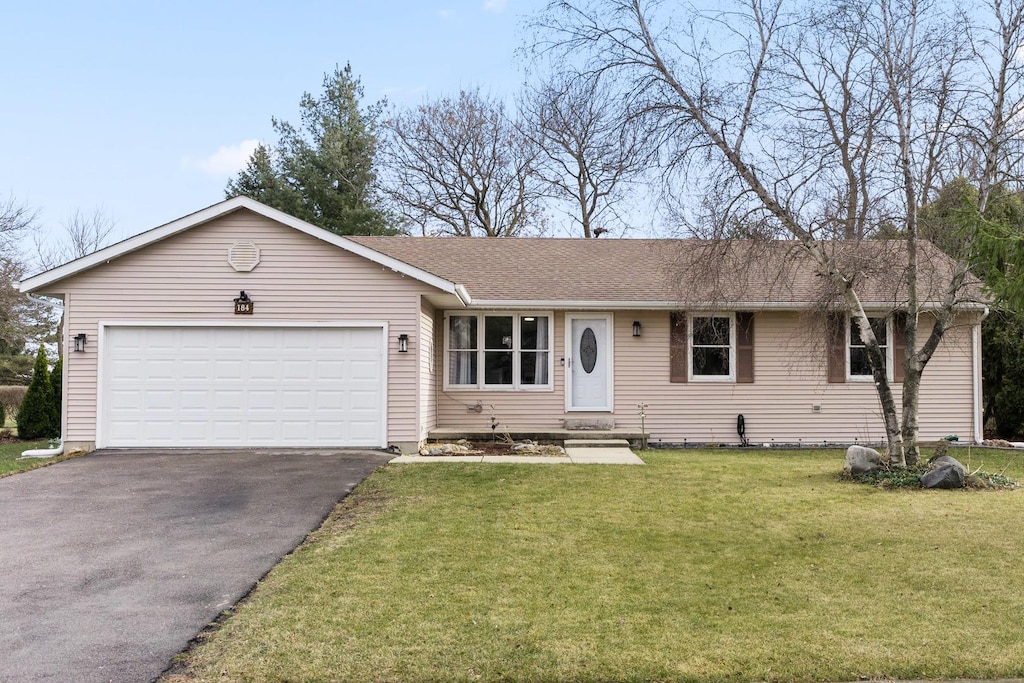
{"x":186,"y":277}
{"x":428,"y":370}
{"x":790,"y":378}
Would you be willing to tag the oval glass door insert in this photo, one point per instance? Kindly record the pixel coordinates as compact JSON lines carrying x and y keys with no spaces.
{"x":588,"y":350}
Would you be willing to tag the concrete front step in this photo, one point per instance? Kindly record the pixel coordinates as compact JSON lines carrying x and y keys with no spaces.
{"x":596,"y":443}
{"x":539,"y":435}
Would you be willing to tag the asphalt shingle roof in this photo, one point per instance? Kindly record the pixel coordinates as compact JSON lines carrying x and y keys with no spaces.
{"x":666,"y":270}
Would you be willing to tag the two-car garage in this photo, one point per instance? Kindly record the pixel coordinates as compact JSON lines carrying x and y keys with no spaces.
{"x":241,"y":386}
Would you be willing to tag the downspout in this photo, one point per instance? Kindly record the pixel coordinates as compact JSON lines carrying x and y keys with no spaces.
{"x":45,"y":452}
{"x":59,"y":449}
{"x":979,"y":428}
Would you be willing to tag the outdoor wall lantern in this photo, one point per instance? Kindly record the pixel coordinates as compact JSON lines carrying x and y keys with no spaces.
{"x":636,"y":328}
{"x":80,"y":342}
{"x":403,"y":343}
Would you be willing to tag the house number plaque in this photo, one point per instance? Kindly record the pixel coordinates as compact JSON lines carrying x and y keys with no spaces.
{"x":243,"y":304}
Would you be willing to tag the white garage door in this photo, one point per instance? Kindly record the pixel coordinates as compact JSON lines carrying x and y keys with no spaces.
{"x":233,"y":386}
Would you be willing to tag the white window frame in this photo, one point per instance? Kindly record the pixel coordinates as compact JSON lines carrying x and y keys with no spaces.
{"x":850,"y":377}
{"x":516,"y":350}
{"x":731,"y":377}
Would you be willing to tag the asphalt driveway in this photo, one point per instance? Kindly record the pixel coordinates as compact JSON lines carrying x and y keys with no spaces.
{"x":111,"y":563}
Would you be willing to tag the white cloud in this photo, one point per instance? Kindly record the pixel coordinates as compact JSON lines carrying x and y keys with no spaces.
{"x":496,"y":6}
{"x":445,"y":13}
{"x":227,"y":160}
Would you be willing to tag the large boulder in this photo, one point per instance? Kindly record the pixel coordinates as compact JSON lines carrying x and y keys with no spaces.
{"x":861,"y":459}
{"x":943,"y":460}
{"x":947,"y":476}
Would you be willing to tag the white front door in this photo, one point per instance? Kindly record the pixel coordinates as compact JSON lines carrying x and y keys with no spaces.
{"x":588,"y":353}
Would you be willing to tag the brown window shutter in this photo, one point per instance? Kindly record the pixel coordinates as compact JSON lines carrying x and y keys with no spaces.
{"x":899,"y":345}
{"x":677,"y":347}
{"x":836,"y":330}
{"x":745,"y":348}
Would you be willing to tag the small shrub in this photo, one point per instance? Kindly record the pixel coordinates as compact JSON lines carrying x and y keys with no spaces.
{"x":35,"y":417}
{"x":56,"y":385}
{"x":11,"y":396}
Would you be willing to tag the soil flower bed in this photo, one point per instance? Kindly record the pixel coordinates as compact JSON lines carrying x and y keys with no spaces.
{"x":498,"y":447}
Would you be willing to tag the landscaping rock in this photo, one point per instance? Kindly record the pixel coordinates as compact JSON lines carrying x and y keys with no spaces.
{"x":446,"y":449}
{"x":945,"y":477}
{"x":943,"y":460}
{"x":860,"y":459}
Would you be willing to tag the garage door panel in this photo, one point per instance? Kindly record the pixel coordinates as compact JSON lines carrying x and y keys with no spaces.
{"x":299,"y":370}
{"x":262,"y":399}
{"x":194,"y":386}
{"x":228,"y":369}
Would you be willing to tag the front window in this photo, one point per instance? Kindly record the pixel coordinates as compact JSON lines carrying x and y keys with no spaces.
{"x":712,"y":344}
{"x":506,"y":350}
{"x":859,"y":367}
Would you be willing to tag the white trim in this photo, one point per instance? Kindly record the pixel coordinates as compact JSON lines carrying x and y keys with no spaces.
{"x":516,"y":351}
{"x":888,"y":349}
{"x":210,"y":213}
{"x":722,"y":379}
{"x":588,"y":305}
{"x":103,"y":325}
{"x":979,"y":426}
{"x":568,"y":349}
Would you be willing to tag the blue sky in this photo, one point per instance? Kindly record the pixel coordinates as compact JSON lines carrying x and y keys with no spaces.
{"x":147,"y":109}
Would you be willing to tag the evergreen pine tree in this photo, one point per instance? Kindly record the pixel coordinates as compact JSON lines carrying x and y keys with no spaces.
{"x":56,"y":387}
{"x":35,"y":417}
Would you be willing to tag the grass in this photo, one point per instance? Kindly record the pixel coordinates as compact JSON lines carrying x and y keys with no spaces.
{"x":701,"y":566}
{"x":10,"y":452}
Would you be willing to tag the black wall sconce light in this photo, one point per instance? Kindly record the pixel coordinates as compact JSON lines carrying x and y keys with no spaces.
{"x":80,"y":342}
{"x":636,"y":328}
{"x":403,"y":343}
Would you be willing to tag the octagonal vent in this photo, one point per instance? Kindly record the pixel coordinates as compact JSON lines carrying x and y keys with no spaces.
{"x":244,"y":255}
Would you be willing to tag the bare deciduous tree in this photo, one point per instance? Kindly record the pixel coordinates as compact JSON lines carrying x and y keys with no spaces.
{"x":461,"y":166}
{"x":82,"y":234}
{"x":815,"y":121}
{"x":15,"y":220}
{"x":21,"y":318}
{"x":588,"y":154}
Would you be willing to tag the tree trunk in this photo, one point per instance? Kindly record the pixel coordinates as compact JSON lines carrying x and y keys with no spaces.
{"x":886,"y":400}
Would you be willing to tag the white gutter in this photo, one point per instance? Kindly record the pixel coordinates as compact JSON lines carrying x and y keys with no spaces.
{"x":463,"y":294}
{"x":536,"y":304}
{"x":44,"y":452}
{"x":46,"y":301}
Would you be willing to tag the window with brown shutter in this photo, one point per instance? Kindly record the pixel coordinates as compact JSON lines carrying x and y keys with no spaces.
{"x":677,"y":352}
{"x":745,"y":348}
{"x":836,"y":329}
{"x":899,"y":345}
{"x":847,"y":356}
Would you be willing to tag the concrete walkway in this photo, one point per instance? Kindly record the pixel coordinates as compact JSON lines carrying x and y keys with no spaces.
{"x":577,"y":452}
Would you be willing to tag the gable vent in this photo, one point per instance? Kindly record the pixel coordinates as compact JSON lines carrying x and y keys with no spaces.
{"x":243,"y":256}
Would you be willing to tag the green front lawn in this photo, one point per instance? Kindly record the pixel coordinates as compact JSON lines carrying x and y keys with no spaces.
{"x":10,"y":452}
{"x":701,"y":566}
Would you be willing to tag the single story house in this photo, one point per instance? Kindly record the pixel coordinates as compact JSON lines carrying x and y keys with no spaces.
{"x":242,"y":326}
